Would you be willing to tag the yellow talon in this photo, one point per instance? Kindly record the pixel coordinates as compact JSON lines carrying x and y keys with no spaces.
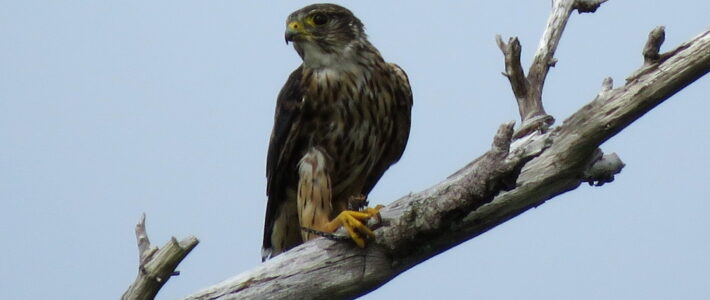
{"x":355,"y":223}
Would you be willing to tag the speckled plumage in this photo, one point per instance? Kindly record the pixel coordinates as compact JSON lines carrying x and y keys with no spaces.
{"x":342,"y":119}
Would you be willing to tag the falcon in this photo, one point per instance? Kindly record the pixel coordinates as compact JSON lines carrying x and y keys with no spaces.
{"x":342,"y":119}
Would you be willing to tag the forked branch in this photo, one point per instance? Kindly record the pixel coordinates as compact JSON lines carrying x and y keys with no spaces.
{"x":528,"y":90}
{"x":156,"y":266}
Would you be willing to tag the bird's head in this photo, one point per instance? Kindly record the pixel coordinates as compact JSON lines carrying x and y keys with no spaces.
{"x":319,"y":31}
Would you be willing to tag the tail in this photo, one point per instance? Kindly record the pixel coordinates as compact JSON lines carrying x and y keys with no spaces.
{"x":266,"y":254}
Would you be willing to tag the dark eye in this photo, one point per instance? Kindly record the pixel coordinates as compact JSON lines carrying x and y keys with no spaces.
{"x":319,"y":19}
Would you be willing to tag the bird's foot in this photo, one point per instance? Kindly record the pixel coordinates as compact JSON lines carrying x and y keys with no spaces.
{"x":354,"y":223}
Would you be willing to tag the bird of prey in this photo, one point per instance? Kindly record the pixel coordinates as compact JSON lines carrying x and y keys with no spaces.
{"x":341,"y":120}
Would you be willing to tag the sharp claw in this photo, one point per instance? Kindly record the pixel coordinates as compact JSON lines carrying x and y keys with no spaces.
{"x":350,"y":227}
{"x":355,"y":223}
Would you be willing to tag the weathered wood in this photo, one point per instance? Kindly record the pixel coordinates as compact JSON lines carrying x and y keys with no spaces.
{"x":653,"y":45}
{"x":532,"y":112}
{"x":515,"y":74}
{"x":528,"y":90}
{"x":603,"y":169}
{"x":156,"y":266}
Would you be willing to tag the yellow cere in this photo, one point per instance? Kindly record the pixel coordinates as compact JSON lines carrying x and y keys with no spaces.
{"x":295,"y":26}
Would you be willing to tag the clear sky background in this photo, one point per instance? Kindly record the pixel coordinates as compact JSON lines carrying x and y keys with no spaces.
{"x":109,"y":109}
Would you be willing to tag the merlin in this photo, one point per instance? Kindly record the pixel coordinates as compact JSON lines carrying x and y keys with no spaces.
{"x":342,"y":119}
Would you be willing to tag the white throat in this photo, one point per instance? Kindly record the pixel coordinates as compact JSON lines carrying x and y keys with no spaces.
{"x":315,"y":58}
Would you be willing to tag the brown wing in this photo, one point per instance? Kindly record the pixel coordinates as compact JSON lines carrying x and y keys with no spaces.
{"x":399,"y":83}
{"x":280,"y":161}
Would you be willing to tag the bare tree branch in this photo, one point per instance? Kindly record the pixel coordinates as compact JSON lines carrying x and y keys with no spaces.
{"x":484,"y":194}
{"x":603,"y":169}
{"x":156,"y":266}
{"x":588,"y":6}
{"x":514,"y":72}
{"x":653,"y":45}
{"x":521,"y":170}
{"x":528,"y":90}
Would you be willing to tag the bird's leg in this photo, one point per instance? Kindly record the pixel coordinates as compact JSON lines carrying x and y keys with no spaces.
{"x":354,"y":221}
{"x":357,"y":202}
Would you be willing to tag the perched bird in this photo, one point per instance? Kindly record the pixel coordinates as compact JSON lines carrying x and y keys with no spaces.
{"x":341,"y":120}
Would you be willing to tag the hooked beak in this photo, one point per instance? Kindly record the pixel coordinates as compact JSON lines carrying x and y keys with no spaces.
{"x":289,"y":36}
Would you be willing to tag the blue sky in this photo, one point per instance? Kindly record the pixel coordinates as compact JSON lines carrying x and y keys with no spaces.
{"x":109,"y":109}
